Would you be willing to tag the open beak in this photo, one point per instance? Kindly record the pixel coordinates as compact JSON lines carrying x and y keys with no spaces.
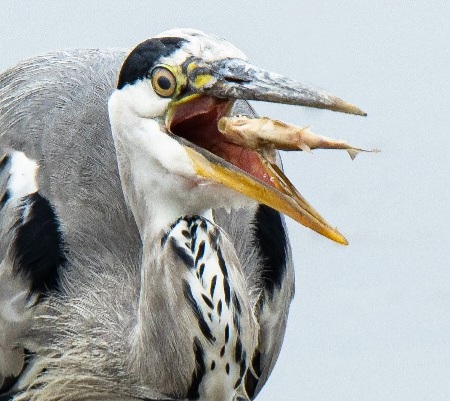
{"x":210,"y":94}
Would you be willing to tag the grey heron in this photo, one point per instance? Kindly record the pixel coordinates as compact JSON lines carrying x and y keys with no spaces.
{"x":147,"y":260}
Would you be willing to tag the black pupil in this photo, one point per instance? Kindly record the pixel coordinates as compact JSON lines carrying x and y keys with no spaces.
{"x":164,"y":83}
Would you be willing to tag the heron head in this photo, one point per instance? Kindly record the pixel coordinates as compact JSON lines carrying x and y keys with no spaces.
{"x":184,"y":81}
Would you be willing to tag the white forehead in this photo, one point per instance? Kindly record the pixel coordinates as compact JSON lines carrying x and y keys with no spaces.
{"x":203,"y":45}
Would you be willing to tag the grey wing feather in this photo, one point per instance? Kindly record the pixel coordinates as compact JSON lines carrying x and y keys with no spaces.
{"x":54,"y":108}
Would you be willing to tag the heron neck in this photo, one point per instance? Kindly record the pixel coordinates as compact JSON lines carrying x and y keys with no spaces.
{"x":156,"y":195}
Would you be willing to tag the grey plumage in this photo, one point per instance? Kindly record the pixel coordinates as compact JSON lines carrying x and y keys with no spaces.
{"x":54,"y":109}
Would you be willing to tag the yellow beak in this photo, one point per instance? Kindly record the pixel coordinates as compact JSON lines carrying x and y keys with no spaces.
{"x":284,"y":199}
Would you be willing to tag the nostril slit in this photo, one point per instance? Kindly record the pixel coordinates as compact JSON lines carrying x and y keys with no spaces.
{"x":236,"y":80}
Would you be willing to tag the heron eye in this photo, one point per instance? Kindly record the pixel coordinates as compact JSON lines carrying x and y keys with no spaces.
{"x":164,"y":82}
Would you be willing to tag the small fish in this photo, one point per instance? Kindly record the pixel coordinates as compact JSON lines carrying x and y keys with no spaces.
{"x":267,"y":134}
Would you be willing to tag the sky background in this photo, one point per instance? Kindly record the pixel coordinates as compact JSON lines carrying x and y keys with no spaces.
{"x":370,"y":321}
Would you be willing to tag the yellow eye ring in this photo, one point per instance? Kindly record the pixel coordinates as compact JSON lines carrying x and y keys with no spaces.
{"x":164,"y":82}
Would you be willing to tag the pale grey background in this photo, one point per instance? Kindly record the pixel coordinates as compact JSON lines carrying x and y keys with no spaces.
{"x":370,"y":321}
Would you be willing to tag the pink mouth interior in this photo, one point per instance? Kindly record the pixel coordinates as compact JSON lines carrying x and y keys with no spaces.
{"x":196,"y":121}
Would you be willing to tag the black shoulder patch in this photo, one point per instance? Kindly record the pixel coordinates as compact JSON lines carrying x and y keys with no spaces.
{"x":39,"y":246}
{"x":144,"y":57}
{"x":271,"y":237}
